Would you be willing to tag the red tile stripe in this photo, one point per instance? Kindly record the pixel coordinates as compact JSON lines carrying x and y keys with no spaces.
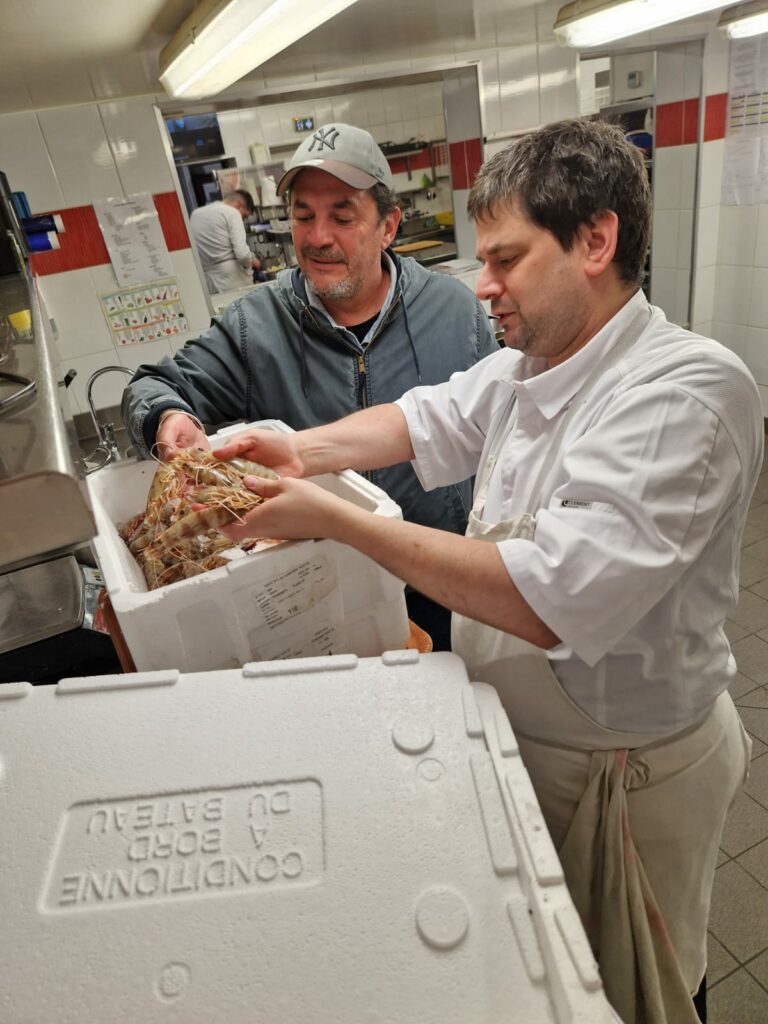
{"x":466,"y":159}
{"x":677,"y":124}
{"x":473,"y":151}
{"x":715,"y":112}
{"x":690,"y":121}
{"x":172,"y":221}
{"x":458,"y":164}
{"x":420,"y":160}
{"x":669,"y":125}
{"x":82,"y":244}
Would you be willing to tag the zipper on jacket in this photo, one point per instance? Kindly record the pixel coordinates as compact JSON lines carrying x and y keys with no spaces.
{"x":363,"y":403}
{"x":371,"y":474}
{"x":362,"y":398}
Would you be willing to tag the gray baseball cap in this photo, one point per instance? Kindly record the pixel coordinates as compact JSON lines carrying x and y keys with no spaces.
{"x":346,"y":152}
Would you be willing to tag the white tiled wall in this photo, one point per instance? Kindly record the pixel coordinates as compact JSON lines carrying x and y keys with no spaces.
{"x":80,"y":153}
{"x":69,"y":156}
{"x":26,"y":160}
{"x":731,"y":259}
{"x":140,"y":160}
{"x":678,"y":77}
{"x":672,"y":230}
{"x":390,"y":114}
{"x":83,"y":338}
{"x":526,"y":85}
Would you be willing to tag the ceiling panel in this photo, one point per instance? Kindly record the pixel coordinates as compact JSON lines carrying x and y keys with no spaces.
{"x":55,"y":54}
{"x":73,"y":52}
{"x":63,"y":52}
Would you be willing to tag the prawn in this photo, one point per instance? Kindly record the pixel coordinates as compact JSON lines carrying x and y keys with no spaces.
{"x":191,"y":498}
{"x":202,"y":521}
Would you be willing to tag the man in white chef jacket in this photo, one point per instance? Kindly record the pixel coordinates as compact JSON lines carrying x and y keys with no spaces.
{"x":615,"y":456}
{"x":218,"y":231}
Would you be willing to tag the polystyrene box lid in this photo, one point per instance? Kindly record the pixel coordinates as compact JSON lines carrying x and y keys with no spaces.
{"x":329,"y":839}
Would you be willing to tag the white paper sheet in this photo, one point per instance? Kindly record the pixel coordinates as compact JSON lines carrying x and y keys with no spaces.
{"x":134,"y":239}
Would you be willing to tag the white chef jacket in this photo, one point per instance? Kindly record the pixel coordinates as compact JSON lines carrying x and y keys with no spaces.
{"x":219,"y":235}
{"x":634,"y":562}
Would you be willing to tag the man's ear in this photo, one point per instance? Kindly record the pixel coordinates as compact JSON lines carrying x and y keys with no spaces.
{"x":391,"y":224}
{"x":599,"y":240}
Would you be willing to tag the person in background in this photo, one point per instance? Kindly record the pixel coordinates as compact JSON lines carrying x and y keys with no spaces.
{"x":616,"y":455}
{"x":353,"y":325}
{"x":218,"y":232}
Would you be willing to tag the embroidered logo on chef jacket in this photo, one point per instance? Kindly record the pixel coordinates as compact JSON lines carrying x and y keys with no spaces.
{"x":575,"y":503}
{"x":324,"y":137}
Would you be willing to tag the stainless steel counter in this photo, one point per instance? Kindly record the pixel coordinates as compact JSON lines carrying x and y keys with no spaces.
{"x":43,"y":506}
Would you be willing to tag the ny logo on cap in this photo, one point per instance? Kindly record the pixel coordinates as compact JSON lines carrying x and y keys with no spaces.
{"x":324,"y":137}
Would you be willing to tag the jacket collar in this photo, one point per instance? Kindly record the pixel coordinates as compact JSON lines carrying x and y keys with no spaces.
{"x":552,"y":390}
{"x":316,"y":303}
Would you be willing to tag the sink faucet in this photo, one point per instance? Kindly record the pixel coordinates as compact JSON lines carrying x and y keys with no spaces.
{"x":107,"y":445}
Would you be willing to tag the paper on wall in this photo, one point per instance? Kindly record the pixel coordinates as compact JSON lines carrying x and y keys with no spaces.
{"x":134,"y":239}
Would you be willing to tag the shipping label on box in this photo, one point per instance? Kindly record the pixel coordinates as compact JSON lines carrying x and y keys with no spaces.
{"x":296,"y":610}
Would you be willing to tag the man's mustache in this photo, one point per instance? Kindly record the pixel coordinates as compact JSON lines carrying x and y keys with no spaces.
{"x":323,"y":253}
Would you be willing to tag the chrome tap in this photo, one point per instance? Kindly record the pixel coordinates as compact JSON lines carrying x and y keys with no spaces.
{"x":107,"y":445}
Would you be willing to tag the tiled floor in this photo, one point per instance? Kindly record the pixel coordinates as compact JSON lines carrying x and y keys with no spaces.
{"x":737,"y":972}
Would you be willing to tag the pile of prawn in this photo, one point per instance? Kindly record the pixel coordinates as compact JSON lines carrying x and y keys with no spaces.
{"x":174,"y":540}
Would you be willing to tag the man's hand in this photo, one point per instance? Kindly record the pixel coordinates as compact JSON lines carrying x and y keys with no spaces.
{"x":256,"y":264}
{"x":293,"y":510}
{"x":177,"y":431}
{"x":269,"y":448}
{"x":464,"y":574}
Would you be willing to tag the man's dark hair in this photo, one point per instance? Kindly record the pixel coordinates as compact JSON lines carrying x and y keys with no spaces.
{"x":563,"y":176}
{"x":247,"y":198}
{"x":385,"y":199}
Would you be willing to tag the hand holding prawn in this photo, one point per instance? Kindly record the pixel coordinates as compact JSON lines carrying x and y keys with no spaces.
{"x":269,"y":447}
{"x":292,"y":510}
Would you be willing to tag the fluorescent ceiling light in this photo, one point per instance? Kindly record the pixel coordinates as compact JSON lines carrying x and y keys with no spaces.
{"x":744,"y":20}
{"x":585,"y":23}
{"x":222,"y":40}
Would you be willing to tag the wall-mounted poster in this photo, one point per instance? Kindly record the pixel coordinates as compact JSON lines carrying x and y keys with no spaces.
{"x":147,"y":312}
{"x":745,"y":169}
{"x":134,"y":239}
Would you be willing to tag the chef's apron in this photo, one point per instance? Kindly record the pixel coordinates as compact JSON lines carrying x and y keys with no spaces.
{"x":227,"y":275}
{"x":636,"y":818}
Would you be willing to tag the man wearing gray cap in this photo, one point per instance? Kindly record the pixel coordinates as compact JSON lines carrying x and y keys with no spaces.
{"x":354,"y":325}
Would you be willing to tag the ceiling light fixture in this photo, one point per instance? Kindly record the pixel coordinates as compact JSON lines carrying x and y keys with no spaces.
{"x":222,"y":40}
{"x":750,"y":19}
{"x":585,"y":23}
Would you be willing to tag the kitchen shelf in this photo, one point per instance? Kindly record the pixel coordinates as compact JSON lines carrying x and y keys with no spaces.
{"x":411,"y":151}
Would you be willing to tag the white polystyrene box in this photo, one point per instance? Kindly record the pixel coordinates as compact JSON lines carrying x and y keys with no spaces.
{"x":298,"y":599}
{"x":296,"y":842}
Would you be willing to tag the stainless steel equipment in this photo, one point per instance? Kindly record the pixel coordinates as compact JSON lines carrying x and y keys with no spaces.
{"x":45,"y":516}
{"x":44,"y":510}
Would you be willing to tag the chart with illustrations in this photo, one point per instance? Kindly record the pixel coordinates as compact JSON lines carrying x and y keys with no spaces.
{"x":145,"y":312}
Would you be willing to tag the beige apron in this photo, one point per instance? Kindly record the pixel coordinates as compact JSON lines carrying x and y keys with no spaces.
{"x":636,"y":819}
